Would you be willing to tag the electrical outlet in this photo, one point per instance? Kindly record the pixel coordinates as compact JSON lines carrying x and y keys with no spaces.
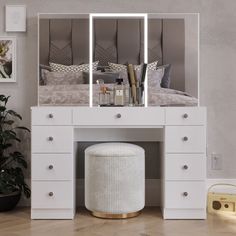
{"x":216,"y":161}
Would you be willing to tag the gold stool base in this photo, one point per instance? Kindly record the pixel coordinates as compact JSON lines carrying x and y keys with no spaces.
{"x":115,"y":216}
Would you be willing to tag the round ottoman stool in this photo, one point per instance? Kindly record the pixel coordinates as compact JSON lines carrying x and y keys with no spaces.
{"x":114,"y":180}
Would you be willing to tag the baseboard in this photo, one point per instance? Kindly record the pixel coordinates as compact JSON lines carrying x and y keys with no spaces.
{"x":152,"y":191}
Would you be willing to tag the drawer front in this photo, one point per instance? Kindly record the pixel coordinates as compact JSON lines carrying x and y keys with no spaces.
{"x":50,"y":139}
{"x":185,"y":139}
{"x":185,"y":116}
{"x":52,"y":167}
{"x":51,"y":116}
{"x":185,"y":167}
{"x":119,"y":116}
{"x":52,"y":194}
{"x":185,"y":194}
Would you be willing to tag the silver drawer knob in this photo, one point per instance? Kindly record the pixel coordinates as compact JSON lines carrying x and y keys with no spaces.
{"x":50,"y":194}
{"x":185,"y":194}
{"x":185,"y":138}
{"x":50,"y":138}
{"x":185,"y":167}
{"x":118,"y":115}
{"x":50,"y":167}
{"x":50,"y":115}
{"x":185,"y":115}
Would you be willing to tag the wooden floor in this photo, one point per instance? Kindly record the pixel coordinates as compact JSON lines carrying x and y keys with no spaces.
{"x":149,"y":223}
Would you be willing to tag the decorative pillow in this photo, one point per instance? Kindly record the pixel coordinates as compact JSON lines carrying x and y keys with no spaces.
{"x":117,"y":67}
{"x":150,"y":66}
{"x":165,"y":82}
{"x":42,"y":80}
{"x":155,"y":78}
{"x":120,"y":67}
{"x":108,"y":77}
{"x":73,"y":68}
{"x":62,"y":78}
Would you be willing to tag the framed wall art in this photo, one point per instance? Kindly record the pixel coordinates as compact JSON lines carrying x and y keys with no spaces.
{"x":15,"y":18}
{"x":7,"y":59}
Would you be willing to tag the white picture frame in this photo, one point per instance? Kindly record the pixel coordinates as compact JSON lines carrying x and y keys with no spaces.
{"x":7,"y":59}
{"x":15,"y":18}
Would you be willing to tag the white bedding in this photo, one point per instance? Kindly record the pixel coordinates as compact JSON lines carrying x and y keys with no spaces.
{"x":78,"y":95}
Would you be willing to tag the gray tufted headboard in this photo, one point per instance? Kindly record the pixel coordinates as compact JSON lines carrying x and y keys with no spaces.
{"x":66,"y":41}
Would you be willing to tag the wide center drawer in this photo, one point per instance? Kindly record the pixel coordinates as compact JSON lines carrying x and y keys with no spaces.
{"x":52,"y":167}
{"x":52,"y":194}
{"x":185,"y":194}
{"x":51,"y":116}
{"x":185,"y":167}
{"x":185,"y":139}
{"x":111,"y":116}
{"x":52,"y":139}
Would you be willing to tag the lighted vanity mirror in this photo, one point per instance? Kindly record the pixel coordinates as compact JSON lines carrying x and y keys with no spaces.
{"x":82,"y":58}
{"x":118,"y":47}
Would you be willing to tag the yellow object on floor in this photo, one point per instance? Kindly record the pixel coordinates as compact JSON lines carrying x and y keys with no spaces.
{"x":221,"y":202}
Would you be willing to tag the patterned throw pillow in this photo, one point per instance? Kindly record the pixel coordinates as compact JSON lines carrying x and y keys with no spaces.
{"x":62,"y":78}
{"x":120,"y":67}
{"x":117,"y":67}
{"x":73,"y":68}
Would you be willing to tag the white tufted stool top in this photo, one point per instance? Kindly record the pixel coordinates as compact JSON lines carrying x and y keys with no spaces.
{"x":114,"y":179}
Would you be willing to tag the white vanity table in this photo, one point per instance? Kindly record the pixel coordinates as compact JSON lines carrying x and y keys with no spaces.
{"x":162,"y":39}
{"x":55,"y":131}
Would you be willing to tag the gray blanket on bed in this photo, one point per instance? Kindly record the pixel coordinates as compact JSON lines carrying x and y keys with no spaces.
{"x":78,"y":95}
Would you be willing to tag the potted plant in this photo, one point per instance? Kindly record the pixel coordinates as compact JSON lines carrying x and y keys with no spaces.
{"x":12,"y":162}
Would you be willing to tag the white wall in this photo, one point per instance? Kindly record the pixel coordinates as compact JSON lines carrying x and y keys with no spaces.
{"x":217,"y":60}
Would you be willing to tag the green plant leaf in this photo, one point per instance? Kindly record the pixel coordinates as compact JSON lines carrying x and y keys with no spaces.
{"x":24,"y":128}
{"x":13,"y":113}
{"x":2,"y":108}
{"x":2,"y":97}
{"x":19,"y":158}
{"x":11,"y":163}
{"x":5,"y":146}
{"x":10,"y":135}
{"x":8,"y":122}
{"x":6,"y":99}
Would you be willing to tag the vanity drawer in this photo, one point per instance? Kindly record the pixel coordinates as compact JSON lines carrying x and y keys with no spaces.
{"x":185,"y":116}
{"x":50,"y":139}
{"x":51,"y":116}
{"x":185,"y":194}
{"x":52,"y":167}
{"x":185,"y":167}
{"x":185,"y":139}
{"x":119,"y":116}
{"x":52,"y":194}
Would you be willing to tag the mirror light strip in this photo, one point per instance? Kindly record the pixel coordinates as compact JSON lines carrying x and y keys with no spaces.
{"x":146,"y":58}
{"x":90,"y":60}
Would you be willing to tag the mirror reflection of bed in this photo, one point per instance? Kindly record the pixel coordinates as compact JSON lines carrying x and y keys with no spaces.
{"x":64,"y":57}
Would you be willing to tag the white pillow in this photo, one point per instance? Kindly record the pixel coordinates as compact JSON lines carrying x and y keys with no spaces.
{"x":120,"y":67}
{"x":73,"y":68}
